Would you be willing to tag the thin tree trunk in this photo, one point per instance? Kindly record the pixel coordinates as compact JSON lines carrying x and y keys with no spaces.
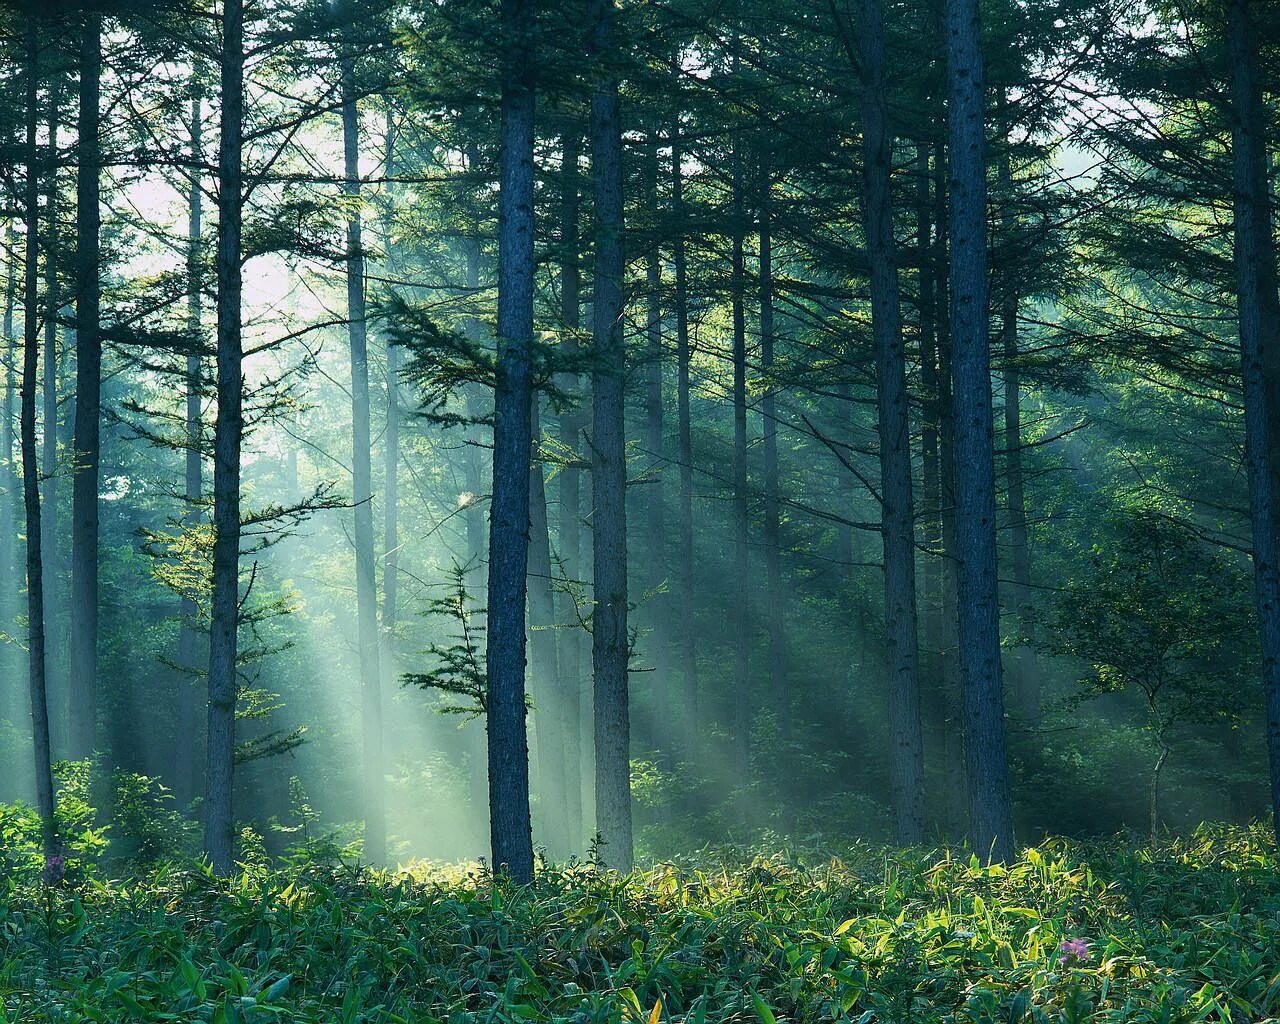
{"x":949,"y":678}
{"x":685,"y":578}
{"x":51,"y":503}
{"x":934,"y":689}
{"x":472,"y":468}
{"x":84,"y":487}
{"x":776,"y":597}
{"x":655,"y":493}
{"x":1026,"y":675}
{"x":741,"y":609}
{"x":30,"y":467}
{"x":9,"y":601}
{"x":391,"y":440}
{"x":930,"y":471}
{"x":188,"y":638}
{"x":1259,"y":326}
{"x":1028,"y":671}
{"x":547,"y":682}
{"x":897,"y":510}
{"x":375,"y":824}
{"x":571,"y":650}
{"x":609,"y":639}
{"x":511,"y":837}
{"x":227,"y":439}
{"x":991,"y":819}
{"x":1153,"y":811}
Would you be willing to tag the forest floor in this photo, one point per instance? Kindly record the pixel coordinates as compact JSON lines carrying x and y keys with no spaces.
{"x":1187,"y":931}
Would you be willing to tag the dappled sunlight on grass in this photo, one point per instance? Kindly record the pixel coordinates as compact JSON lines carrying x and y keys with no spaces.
{"x":1185,"y":931}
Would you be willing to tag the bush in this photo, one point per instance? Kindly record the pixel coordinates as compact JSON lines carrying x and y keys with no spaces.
{"x":1183,"y":931}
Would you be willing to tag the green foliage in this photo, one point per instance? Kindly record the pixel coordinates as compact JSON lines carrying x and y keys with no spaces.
{"x":147,"y":828}
{"x":1185,"y":931}
{"x":308,"y":843}
{"x":1157,"y":612}
{"x":84,"y":841}
{"x":457,"y":667}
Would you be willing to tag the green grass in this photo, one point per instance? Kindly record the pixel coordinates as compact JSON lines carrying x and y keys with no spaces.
{"x":1188,"y":931}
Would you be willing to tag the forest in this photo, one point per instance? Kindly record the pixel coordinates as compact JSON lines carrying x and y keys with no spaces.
{"x":639,"y":511}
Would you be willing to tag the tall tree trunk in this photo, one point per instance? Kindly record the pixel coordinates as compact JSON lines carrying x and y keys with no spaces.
{"x":30,"y":465}
{"x":897,"y":509}
{"x":188,"y":639}
{"x":776,"y":597}
{"x":934,"y":687}
{"x":375,"y":824}
{"x":227,"y":438}
{"x":949,"y":678}
{"x":548,"y":683}
{"x":51,"y":504}
{"x":572,"y":649}
{"x":511,"y":836}
{"x":391,"y":439}
{"x":10,"y":698}
{"x":741,"y":607}
{"x":685,"y":578}
{"x":1026,"y":674}
{"x":930,"y":472}
{"x":655,"y":493}
{"x":1259,"y":325}
{"x":990,"y":813}
{"x":84,"y":487}
{"x":609,"y":639}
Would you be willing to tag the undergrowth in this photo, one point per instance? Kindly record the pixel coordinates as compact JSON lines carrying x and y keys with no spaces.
{"x":1186,"y":931}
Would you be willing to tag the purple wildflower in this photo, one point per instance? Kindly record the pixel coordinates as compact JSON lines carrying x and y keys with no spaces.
{"x":55,"y":868}
{"x":1073,"y":951}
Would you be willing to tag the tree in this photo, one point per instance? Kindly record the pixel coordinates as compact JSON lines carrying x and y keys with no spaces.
{"x":510,"y":831}
{"x":990,"y":813}
{"x":84,"y":496}
{"x":610,"y":643}
{"x":361,"y":463}
{"x":30,"y":467}
{"x":1258,"y":316}
{"x":227,"y":441}
{"x":898,"y":516}
{"x":1158,"y":614}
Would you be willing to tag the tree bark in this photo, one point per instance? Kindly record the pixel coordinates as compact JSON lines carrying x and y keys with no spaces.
{"x":227,"y":440}
{"x":776,"y":597}
{"x":740,"y":605}
{"x":9,"y":601}
{"x":375,"y":824}
{"x":548,"y":682}
{"x":655,"y":492}
{"x":949,"y":652}
{"x":84,"y":487}
{"x":1259,"y":326}
{"x":1153,"y":810}
{"x":610,"y":647}
{"x":897,"y":508}
{"x":510,"y":832}
{"x":391,"y":440}
{"x":990,"y":813}
{"x":51,"y":503}
{"x":30,"y":466}
{"x":188,"y":639}
{"x":1025,"y":671}
{"x":685,"y":578}
{"x":571,"y":648}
